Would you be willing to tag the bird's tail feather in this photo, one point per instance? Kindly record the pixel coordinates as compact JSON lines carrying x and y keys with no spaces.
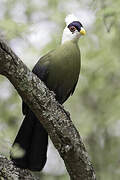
{"x":33,"y":139}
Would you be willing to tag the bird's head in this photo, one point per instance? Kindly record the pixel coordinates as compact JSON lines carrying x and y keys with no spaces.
{"x":73,"y":30}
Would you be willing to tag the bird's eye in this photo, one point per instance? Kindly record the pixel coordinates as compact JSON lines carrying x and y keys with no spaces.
{"x":72,"y":28}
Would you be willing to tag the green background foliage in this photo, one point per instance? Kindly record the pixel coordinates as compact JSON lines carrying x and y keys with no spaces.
{"x":34,"y":27}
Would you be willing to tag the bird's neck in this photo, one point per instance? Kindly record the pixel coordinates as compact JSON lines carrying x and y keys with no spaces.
{"x":67,"y":36}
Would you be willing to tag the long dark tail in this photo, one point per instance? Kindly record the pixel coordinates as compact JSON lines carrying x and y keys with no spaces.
{"x":33,"y":139}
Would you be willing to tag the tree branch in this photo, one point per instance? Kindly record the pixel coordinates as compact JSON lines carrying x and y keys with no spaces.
{"x":51,"y":114}
{"x":8,"y":171}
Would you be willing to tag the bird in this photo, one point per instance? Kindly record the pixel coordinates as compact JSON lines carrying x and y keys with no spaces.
{"x":59,"y":69}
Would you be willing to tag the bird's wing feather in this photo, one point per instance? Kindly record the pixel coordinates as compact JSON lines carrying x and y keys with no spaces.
{"x":73,"y":89}
{"x":41,"y":69}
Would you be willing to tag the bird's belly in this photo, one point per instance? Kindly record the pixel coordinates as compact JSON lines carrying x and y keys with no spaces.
{"x":62,"y":82}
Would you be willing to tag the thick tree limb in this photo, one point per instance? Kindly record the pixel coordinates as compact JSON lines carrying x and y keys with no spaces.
{"x":50,"y":113}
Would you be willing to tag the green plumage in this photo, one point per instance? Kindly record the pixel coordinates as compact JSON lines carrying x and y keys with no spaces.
{"x":59,"y":70}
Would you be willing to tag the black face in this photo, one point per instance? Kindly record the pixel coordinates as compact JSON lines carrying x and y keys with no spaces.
{"x":75,"y":25}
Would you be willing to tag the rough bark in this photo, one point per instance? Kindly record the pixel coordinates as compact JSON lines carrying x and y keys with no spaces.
{"x":51,"y":114}
{"x":9,"y":172}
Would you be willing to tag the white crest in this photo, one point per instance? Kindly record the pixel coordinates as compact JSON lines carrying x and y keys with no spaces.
{"x":70,"y":18}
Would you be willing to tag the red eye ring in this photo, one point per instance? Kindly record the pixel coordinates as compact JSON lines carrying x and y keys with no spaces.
{"x":72,"y":28}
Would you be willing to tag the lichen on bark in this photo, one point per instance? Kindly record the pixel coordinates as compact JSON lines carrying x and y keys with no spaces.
{"x":8,"y":171}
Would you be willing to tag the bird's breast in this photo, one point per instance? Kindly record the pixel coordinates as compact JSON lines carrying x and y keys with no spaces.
{"x":64,"y":70}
